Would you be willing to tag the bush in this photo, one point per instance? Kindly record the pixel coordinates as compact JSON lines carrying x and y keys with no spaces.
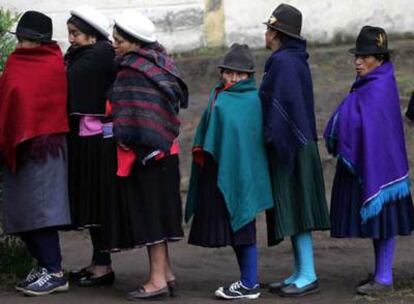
{"x":15,"y":261}
{"x":7,"y":41}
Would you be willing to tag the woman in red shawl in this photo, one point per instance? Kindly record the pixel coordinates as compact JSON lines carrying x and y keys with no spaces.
{"x":33,"y":124}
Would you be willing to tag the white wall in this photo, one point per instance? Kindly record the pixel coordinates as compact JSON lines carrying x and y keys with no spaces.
{"x":323,"y":20}
{"x":180,"y":22}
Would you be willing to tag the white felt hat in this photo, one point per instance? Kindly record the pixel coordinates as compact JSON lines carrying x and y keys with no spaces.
{"x":137,"y":25}
{"x":93,"y":17}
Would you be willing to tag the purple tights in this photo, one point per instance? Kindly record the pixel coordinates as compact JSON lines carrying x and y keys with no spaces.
{"x":384,"y":256}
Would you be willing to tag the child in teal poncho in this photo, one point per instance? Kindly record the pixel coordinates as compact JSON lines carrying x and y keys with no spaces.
{"x":230,"y":180}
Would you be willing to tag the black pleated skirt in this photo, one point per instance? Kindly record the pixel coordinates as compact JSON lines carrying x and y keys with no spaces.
{"x":211,"y":223}
{"x":396,"y":218}
{"x":144,"y":208}
{"x":85,"y":158}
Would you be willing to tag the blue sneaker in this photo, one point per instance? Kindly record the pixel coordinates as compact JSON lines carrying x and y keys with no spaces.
{"x":47,"y":284}
{"x":33,"y":276}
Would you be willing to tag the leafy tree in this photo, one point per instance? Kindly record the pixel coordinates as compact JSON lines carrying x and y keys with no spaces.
{"x":7,"y":40}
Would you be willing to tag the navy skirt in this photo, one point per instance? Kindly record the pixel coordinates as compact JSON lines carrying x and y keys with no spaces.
{"x":211,"y":223}
{"x":396,"y":218}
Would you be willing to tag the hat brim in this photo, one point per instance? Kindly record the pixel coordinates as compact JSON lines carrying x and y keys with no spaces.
{"x":228,"y":67}
{"x":91,"y":22}
{"x":356,"y":52}
{"x":124,"y":27}
{"x":283,"y":31}
{"x":42,"y":40}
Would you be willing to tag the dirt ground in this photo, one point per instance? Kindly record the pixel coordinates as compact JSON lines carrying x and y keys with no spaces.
{"x":340,"y":263}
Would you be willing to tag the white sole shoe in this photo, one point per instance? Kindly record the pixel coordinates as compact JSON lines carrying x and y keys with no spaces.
{"x":220,"y":294}
{"x":33,"y":293}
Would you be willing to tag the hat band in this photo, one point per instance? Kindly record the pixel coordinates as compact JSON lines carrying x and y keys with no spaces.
{"x":29,"y":33}
{"x":372,"y":49}
{"x":285,"y":27}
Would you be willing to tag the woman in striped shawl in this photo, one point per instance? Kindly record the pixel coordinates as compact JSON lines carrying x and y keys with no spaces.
{"x":145,"y":99}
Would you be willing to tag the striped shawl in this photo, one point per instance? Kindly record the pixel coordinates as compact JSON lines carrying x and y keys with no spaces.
{"x":146,"y":97}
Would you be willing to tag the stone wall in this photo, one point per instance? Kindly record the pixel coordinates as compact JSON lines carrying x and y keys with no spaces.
{"x":184,"y":25}
{"x":179,"y":23}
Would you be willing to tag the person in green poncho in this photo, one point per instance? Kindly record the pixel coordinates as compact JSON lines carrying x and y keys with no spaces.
{"x":230,"y":180}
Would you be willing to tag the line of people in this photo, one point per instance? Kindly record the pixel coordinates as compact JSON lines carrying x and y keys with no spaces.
{"x":90,"y":140}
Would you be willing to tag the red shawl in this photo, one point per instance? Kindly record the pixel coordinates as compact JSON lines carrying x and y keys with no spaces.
{"x":33,"y":94}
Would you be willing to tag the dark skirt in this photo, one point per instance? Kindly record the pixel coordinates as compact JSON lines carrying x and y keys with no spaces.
{"x":144,"y":208}
{"x":85,"y":158}
{"x":36,"y":195}
{"x":300,"y":204}
{"x":396,"y":218}
{"x":211,"y":223}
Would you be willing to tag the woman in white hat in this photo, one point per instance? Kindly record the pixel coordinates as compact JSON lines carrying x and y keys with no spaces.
{"x":90,"y":74}
{"x":146,"y":97}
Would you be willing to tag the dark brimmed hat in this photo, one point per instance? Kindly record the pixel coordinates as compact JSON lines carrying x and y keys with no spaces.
{"x":286,"y":19}
{"x":35,"y":26}
{"x":238,"y":58}
{"x":370,"y":41}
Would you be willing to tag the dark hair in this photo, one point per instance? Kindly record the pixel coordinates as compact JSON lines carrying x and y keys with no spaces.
{"x":86,"y":28}
{"x":284,"y":38}
{"x":221,"y":70}
{"x":383,"y":57}
{"x":20,"y":39}
{"x":129,"y":37}
{"x":379,"y":57}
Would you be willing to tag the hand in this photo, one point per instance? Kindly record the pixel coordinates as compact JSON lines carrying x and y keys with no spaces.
{"x":124,"y":147}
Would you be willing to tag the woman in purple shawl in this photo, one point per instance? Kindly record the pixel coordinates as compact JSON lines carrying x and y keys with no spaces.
{"x":371,"y":193}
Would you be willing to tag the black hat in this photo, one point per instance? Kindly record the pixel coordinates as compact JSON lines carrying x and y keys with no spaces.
{"x":238,"y":58}
{"x":35,"y":26}
{"x":286,"y":19}
{"x":371,"y":40}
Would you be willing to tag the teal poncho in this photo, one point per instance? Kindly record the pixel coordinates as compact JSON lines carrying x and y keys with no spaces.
{"x":231,"y":131}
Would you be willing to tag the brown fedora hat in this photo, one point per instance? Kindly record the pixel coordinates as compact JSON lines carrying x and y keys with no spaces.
{"x":286,"y":19}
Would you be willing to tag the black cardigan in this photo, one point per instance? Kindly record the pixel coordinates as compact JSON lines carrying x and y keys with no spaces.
{"x":90,"y":71}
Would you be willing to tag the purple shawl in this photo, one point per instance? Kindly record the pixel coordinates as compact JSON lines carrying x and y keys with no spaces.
{"x":366,"y":132}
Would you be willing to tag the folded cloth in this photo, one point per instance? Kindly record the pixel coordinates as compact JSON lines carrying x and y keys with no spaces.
{"x":90,"y":126}
{"x":126,"y":160}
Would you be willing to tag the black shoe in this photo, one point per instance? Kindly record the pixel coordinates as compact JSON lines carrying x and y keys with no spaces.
{"x":75,"y":276}
{"x":172,"y":288}
{"x":370,"y":278}
{"x":293,"y":291}
{"x":373,"y":288}
{"x":277,"y":286}
{"x":141,"y":294}
{"x":90,"y":281}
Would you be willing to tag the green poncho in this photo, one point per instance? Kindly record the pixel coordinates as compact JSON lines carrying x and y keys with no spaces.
{"x":231,"y":131}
